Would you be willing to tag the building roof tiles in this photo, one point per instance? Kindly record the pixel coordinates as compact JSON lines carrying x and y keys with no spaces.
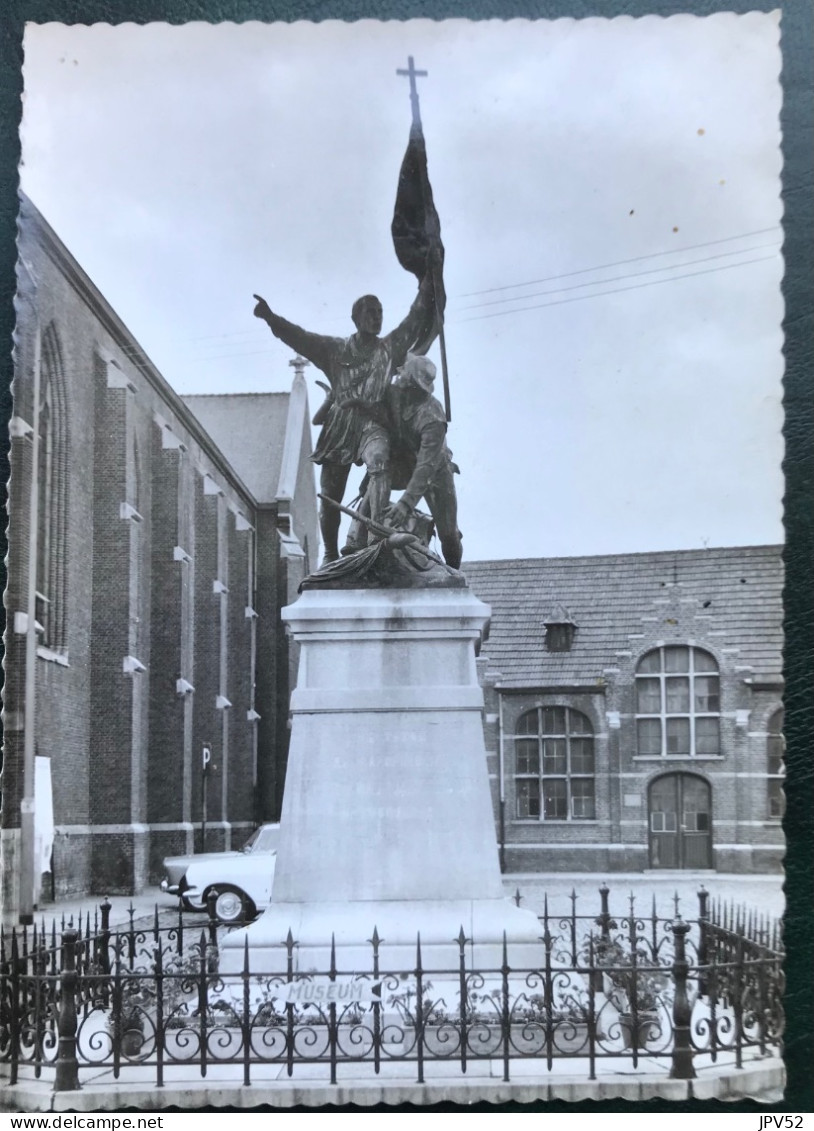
{"x":728,"y":598}
{"x":249,"y":428}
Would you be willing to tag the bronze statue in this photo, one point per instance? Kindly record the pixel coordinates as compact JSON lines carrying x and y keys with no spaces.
{"x":420,"y":461}
{"x":359,"y":370}
{"x":395,"y":559}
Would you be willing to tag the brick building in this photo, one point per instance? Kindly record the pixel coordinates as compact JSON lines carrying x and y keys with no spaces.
{"x":161,"y":567}
{"x":633,"y":702}
{"x":633,"y":710}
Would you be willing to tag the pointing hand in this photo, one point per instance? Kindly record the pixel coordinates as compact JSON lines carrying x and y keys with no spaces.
{"x":262,"y":310}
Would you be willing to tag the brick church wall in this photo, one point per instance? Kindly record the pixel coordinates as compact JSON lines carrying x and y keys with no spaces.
{"x":240,"y":681}
{"x":167,"y":755}
{"x":154,"y":515}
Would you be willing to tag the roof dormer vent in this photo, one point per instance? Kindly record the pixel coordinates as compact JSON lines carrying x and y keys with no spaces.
{"x":560,"y":630}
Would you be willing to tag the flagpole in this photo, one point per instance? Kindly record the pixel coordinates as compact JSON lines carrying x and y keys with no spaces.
{"x":412,"y":74}
{"x":443,"y":347}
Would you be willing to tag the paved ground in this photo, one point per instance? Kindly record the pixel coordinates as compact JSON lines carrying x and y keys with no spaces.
{"x":761,"y":893}
{"x":761,"y":1080}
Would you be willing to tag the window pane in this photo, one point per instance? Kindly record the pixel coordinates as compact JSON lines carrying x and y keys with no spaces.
{"x":578,"y":723}
{"x":776,"y":723}
{"x":555,"y":795}
{"x":558,"y":637}
{"x":661,"y":822}
{"x":703,"y":661}
{"x":777,"y":802}
{"x":528,"y":797}
{"x":649,"y":731}
{"x":775,"y":748}
{"x":676,"y":659}
{"x":554,"y":756}
{"x":582,"y":756}
{"x":582,"y":799}
{"x":695,"y":822}
{"x":265,"y":842}
{"x":650,"y":663}
{"x":528,"y":756}
{"x":706,"y":693}
{"x":553,"y":720}
{"x":678,"y":736}
{"x":648,"y":696}
{"x":677,"y":694}
{"x":707,"y":736}
{"x":527,"y":724}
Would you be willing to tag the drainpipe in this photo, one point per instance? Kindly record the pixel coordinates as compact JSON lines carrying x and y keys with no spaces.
{"x":27,"y":862}
{"x":502,"y":783}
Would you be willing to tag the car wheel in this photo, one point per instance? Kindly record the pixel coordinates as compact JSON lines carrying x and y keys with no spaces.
{"x":232,"y":905}
{"x":189,"y":905}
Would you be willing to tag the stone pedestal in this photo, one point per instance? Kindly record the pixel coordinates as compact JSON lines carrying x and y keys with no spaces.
{"x":387,"y":818}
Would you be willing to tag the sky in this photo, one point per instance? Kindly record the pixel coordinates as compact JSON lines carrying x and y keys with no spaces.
{"x":609,"y":197}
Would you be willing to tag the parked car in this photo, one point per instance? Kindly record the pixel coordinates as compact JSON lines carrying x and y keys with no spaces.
{"x":240,"y":880}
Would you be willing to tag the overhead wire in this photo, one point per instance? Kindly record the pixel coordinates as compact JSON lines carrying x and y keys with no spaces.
{"x":620,"y":278}
{"x":219,"y":338}
{"x":615,"y":290}
{"x":622,"y":262}
{"x":223,"y":356}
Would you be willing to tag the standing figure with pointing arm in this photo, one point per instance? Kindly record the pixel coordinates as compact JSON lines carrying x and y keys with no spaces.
{"x":359,"y":370}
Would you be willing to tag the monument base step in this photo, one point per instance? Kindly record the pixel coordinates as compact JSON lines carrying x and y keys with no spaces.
{"x":399,"y":924}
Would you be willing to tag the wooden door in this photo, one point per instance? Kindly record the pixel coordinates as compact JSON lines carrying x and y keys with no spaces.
{"x":680,"y":820}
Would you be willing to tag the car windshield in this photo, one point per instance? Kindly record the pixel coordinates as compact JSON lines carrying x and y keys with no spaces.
{"x":263,"y":839}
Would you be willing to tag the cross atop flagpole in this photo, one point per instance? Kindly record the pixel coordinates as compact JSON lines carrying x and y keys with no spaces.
{"x":412,"y":74}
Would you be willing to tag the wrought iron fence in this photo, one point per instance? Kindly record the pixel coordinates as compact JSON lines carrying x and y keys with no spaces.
{"x":633,"y":991}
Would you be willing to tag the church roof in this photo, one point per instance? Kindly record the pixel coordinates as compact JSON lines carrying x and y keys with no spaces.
{"x":249,"y":428}
{"x":727,"y":599}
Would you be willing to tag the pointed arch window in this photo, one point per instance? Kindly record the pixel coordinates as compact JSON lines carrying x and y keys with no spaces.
{"x":554,"y":765}
{"x":53,"y":494}
{"x":678,"y":703}
{"x":135,"y":495}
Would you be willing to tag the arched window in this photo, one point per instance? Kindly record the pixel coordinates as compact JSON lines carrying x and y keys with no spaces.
{"x":554,"y":765}
{"x":775,"y":768}
{"x":678,"y":703}
{"x":52,"y":481}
